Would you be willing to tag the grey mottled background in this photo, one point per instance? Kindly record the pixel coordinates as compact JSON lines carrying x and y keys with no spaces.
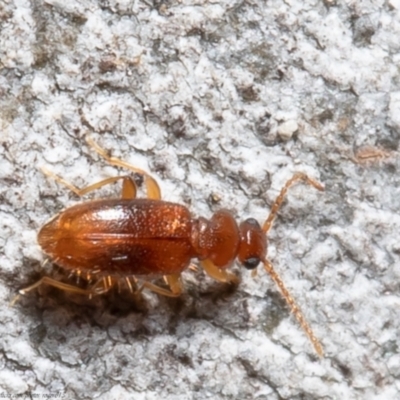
{"x":222,"y":101}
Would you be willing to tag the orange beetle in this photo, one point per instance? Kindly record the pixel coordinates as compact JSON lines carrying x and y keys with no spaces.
{"x":110,"y":241}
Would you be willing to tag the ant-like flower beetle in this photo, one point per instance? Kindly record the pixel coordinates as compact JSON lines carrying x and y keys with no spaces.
{"x":108,"y":242}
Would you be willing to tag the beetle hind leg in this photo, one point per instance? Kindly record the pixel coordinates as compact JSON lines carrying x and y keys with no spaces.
{"x":46,"y":280}
{"x":101,"y":286}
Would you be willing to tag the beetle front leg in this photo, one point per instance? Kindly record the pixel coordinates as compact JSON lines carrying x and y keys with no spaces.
{"x":219,"y":274}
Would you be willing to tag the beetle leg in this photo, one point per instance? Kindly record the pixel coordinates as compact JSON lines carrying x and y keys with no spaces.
{"x":103,"y":285}
{"x":219,"y":274}
{"x":157,"y":289}
{"x":128,"y":188}
{"x":46,"y":280}
{"x":174,"y":284}
{"x":128,"y":281}
{"x":193,"y":267}
{"x":153,"y":190}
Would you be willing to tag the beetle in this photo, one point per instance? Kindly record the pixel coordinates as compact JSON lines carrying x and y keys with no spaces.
{"x":110,"y":241}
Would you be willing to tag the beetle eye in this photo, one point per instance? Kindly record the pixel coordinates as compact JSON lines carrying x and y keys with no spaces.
{"x":253,"y":222}
{"x":251,"y":262}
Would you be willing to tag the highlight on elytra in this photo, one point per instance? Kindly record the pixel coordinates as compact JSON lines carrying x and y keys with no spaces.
{"x":109,"y":242}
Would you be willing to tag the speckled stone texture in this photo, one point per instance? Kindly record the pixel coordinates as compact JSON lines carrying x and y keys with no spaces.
{"x":222,"y":101}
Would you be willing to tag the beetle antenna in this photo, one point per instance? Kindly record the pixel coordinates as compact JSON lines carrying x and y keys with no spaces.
{"x":294,"y":307}
{"x":299,"y":176}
